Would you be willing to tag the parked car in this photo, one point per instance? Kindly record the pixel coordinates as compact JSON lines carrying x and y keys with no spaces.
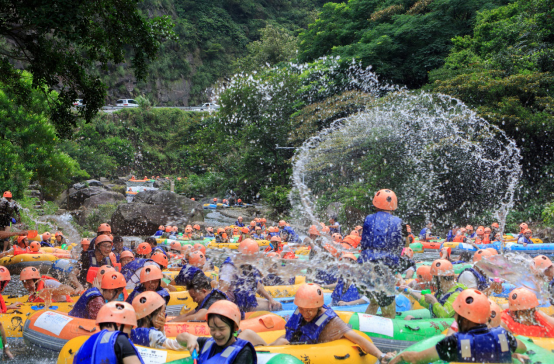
{"x":209,"y":106}
{"x":126,"y":103}
{"x":78,"y":102}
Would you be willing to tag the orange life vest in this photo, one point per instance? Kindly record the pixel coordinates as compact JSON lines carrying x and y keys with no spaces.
{"x":486,"y":239}
{"x":19,"y":250}
{"x":543,"y":329}
{"x":458,"y":239}
{"x":115,"y":264}
{"x":35,"y":297}
{"x":3,"y":307}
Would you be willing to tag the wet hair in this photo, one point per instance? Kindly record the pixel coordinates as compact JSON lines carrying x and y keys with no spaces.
{"x":152,"y":241}
{"x":117,"y":239}
{"x":199,"y":281}
{"x":148,"y":321}
{"x":111,"y":325}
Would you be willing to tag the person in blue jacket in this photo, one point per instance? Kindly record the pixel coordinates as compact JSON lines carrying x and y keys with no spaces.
{"x":111,"y":289}
{"x":239,"y":222}
{"x":425,"y":234}
{"x":160,"y":231}
{"x":525,"y":238}
{"x":345,"y":292}
{"x":150,"y":280}
{"x":452,"y":233}
{"x":226,"y":345}
{"x":382,"y":244}
{"x":46,"y":240}
{"x":474,"y":342}
{"x":111,"y":345}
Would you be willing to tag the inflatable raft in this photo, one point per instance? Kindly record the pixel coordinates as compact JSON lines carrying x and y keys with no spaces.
{"x":16,"y":263}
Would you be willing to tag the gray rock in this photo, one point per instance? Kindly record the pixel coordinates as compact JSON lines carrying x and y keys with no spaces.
{"x":33,"y":193}
{"x":104,"y":180}
{"x":106,"y":197}
{"x":77,"y":198}
{"x":159,"y":183}
{"x":79,"y":186}
{"x":95,"y":183}
{"x":153,"y":208}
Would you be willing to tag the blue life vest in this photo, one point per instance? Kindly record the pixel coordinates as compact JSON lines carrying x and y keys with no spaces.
{"x":326,"y":276}
{"x":334,"y":230}
{"x":89,"y":254}
{"x":293,"y":236}
{"x":80,"y":308}
{"x":310,"y":331}
{"x":442,"y":300}
{"x":141,"y":336}
{"x":159,"y":233}
{"x":239,"y":224}
{"x":350,"y":295}
{"x":423,"y":233}
{"x":140,"y":288}
{"x":272,"y":279}
{"x":382,"y":239}
{"x":473,"y":235}
{"x":209,"y":235}
{"x":227,"y":356}
{"x":186,"y":274}
{"x":482,"y":281}
{"x":99,"y":349}
{"x":157,"y":248}
{"x":214,"y":291}
{"x":257,"y":237}
{"x":481,"y":345}
{"x":449,"y":236}
{"x":46,"y":243}
{"x":130,"y":268}
{"x":525,"y":240}
{"x":245,"y":288}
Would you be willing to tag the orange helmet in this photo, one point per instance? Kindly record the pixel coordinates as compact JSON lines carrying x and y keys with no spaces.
{"x":495,"y":225}
{"x":263,"y":220}
{"x":199,"y":247}
{"x":104,"y":228}
{"x":4,"y":274}
{"x":244,"y":230}
{"x":193,"y":199}
{"x":168,"y":229}
{"x":188,"y":230}
{"x":20,"y":238}
{"x":103,"y":270}
{"x":226,"y":309}
{"x":239,"y":200}
{"x":58,"y":233}
{"x":146,"y":303}
{"x":349,"y":256}
{"x":197,"y":259}
{"x":480,"y":231}
{"x":282,"y":223}
{"x":144,"y":249}
{"x":492,"y":251}
{"x":423,"y":274}
{"x":46,"y":236}
{"x":408,"y":252}
{"x":34,"y":246}
{"x":85,"y":242}
{"x":355,"y":233}
{"x":29,"y":273}
{"x":174,"y":228}
{"x":385,"y":200}
{"x":442,"y":268}
{"x":215,"y":199}
{"x":349,"y":240}
{"x":488,"y":230}
{"x":102,"y":239}
{"x":473,"y":305}
{"x":120,"y":313}
{"x":522,"y":299}
{"x":359,"y":228}
{"x":7,"y":194}
{"x":469,"y":227}
{"x":523,"y":226}
{"x":480,"y":254}
{"x":273,"y":254}
{"x":114,"y":280}
{"x":160,"y":258}
{"x":248,"y":247}
{"x":337,"y":237}
{"x":126,"y":254}
{"x":541,"y":263}
{"x":495,"y":319}
{"x":276,"y":239}
{"x":196,"y":227}
{"x":220,"y":230}
{"x":309,"y":295}
{"x":257,"y":219}
{"x":252,"y":223}
{"x":527,"y":231}
{"x":150,"y":273}
{"x":175,"y":245}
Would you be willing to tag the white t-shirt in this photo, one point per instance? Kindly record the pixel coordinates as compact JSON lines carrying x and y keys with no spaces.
{"x":468,"y":279}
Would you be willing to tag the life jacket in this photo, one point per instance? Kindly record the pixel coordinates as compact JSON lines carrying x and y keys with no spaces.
{"x":486,"y":239}
{"x":543,"y":329}
{"x":94,"y":265}
{"x":141,"y":336}
{"x":442,"y":300}
{"x":239,"y":224}
{"x":114,"y":259}
{"x":299,"y":331}
{"x":326,"y":276}
{"x":272,"y":279}
{"x":227,"y":356}
{"x":381,"y":239}
{"x":350,"y":295}
{"x":209,"y":235}
{"x":458,"y":239}
{"x":449,"y":236}
{"x":481,"y":345}
{"x":130,"y":268}
{"x":482,"y":281}
{"x":40,"y":286}
{"x":99,"y":349}
{"x":423,"y":234}
{"x":245,"y":288}
{"x":159,"y":233}
{"x":271,"y":248}
{"x":19,"y":250}
{"x":80,"y":308}
{"x":46,"y":243}
{"x":140,"y":288}
{"x":3,"y":307}
{"x":525,"y":240}
{"x":212,"y":293}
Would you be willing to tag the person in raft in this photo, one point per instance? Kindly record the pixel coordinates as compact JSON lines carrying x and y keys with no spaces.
{"x":44,"y":288}
{"x":227,"y":343}
{"x":111,"y":289}
{"x":474,"y":342}
{"x":523,"y":316}
{"x":111,"y":344}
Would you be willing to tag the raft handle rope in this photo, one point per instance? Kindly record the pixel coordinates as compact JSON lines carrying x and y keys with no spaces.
{"x":87,"y":330}
{"x":361,"y":352}
{"x":338,"y":357}
{"x":412,"y":328}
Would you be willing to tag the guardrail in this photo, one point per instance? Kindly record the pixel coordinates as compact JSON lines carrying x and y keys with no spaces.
{"x":110,"y":108}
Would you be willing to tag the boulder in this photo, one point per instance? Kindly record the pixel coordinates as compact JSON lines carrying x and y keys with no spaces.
{"x":106,"y":197}
{"x":77,"y":198}
{"x":159,"y":183}
{"x":94,"y":183}
{"x":152,"y":208}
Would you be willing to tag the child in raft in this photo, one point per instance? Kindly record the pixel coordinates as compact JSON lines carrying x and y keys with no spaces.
{"x":475,"y":342}
{"x":44,"y":288}
{"x":5,"y":278}
{"x":525,"y":238}
{"x":476,"y":278}
{"x":150,"y":280}
{"x":345,"y":292}
{"x":523,"y":316}
{"x":227,"y":343}
{"x":111,"y":344}
{"x":447,"y":289}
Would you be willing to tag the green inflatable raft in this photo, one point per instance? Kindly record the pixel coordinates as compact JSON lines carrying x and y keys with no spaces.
{"x":267,"y":358}
{"x":536,"y":354}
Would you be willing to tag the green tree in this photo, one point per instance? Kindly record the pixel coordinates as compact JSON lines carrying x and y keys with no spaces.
{"x":59,"y":41}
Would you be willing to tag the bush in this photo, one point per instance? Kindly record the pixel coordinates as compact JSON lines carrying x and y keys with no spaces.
{"x":277,"y":198}
{"x":100,"y":215}
{"x":548,"y":214}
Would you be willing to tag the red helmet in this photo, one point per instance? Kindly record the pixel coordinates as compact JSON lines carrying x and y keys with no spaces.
{"x":385,"y":200}
{"x":239,"y":200}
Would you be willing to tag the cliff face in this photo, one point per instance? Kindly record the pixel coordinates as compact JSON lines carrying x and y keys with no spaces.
{"x":212,"y":35}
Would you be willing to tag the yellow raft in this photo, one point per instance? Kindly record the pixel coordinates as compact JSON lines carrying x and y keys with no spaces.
{"x":17,"y":263}
{"x":214,"y":245}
